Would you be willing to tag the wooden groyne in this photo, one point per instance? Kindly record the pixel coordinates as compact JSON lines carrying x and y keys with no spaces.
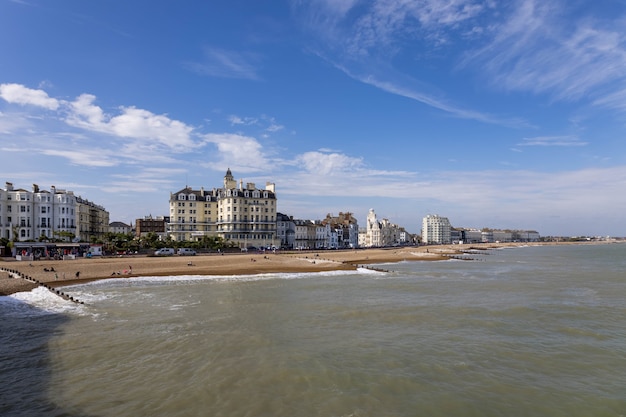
{"x":20,"y":275}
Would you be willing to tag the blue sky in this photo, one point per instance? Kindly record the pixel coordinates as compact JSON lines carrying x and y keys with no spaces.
{"x":491,"y":113}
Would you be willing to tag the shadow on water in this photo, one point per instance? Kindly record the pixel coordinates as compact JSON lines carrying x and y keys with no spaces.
{"x":25,"y":363}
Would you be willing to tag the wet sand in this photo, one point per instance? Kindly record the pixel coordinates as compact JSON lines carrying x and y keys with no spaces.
{"x":125,"y":267}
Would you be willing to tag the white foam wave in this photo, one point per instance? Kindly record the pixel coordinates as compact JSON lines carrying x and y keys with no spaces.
{"x":37,"y":302}
{"x":181,"y":279}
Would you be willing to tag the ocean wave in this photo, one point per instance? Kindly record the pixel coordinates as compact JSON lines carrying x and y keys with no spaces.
{"x":126,"y":282}
{"x":39,"y":301}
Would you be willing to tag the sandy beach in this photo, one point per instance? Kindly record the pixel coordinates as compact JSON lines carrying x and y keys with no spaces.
{"x":58,"y":272}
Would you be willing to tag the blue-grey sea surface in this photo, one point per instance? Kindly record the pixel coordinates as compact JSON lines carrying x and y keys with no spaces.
{"x":529,"y":331}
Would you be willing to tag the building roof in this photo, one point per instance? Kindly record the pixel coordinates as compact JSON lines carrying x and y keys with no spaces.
{"x":118,"y":224}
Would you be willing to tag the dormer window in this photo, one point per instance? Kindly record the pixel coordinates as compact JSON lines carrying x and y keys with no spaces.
{"x":181,"y":196}
{"x":192,"y":197}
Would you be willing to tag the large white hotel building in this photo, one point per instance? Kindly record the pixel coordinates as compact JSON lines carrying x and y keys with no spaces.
{"x":49,"y":214}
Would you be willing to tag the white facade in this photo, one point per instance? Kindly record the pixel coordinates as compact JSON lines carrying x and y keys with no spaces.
{"x":435,"y":230}
{"x":41,"y":214}
{"x":381,"y":233}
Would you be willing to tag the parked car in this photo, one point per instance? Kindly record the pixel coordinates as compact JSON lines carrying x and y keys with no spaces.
{"x":186,"y":252}
{"x":164,"y":252}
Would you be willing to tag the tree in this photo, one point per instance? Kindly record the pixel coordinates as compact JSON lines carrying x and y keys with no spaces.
{"x":64,"y":235}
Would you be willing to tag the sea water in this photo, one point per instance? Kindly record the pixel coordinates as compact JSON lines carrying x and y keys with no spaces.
{"x":531,"y":331}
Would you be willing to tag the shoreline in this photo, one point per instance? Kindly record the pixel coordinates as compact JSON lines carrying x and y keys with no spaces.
{"x":58,"y":273}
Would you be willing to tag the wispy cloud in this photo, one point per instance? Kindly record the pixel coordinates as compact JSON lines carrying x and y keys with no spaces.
{"x":364,"y":47}
{"x":267,"y":123}
{"x":435,"y":102}
{"x":552,"y":141}
{"x":226,"y":64}
{"x":544,"y":48}
{"x":93,"y":157}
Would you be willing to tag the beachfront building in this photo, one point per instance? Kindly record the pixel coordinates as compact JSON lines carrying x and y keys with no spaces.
{"x":285,"y":230}
{"x":486,"y":235}
{"x":243,"y":215}
{"x":342,"y":231}
{"x":120,"y":227}
{"x":49,"y":214}
{"x":149,"y":224}
{"x":435,"y":230}
{"x":304,"y":234}
{"x":92,"y":221}
{"x":381,"y":233}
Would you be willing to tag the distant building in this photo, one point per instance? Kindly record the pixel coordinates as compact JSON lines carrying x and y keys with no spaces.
{"x":119,"y":227}
{"x":92,"y":221}
{"x":342,"y":231}
{"x":381,"y":233}
{"x":47,"y":215}
{"x":304,"y":234}
{"x":149,"y":224}
{"x":285,"y":230}
{"x":244,"y":215}
{"x":486,"y":235}
{"x":436,"y":230}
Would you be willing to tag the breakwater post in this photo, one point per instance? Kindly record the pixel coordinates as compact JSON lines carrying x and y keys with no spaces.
{"x":20,"y":275}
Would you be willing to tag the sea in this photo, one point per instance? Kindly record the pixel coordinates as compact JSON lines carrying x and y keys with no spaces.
{"x":526,"y":331}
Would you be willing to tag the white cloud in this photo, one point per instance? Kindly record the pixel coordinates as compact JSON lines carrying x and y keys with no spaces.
{"x":246,"y":121}
{"x":19,"y":94}
{"x":131,"y":123}
{"x":319,"y":163}
{"x":239,"y":152}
